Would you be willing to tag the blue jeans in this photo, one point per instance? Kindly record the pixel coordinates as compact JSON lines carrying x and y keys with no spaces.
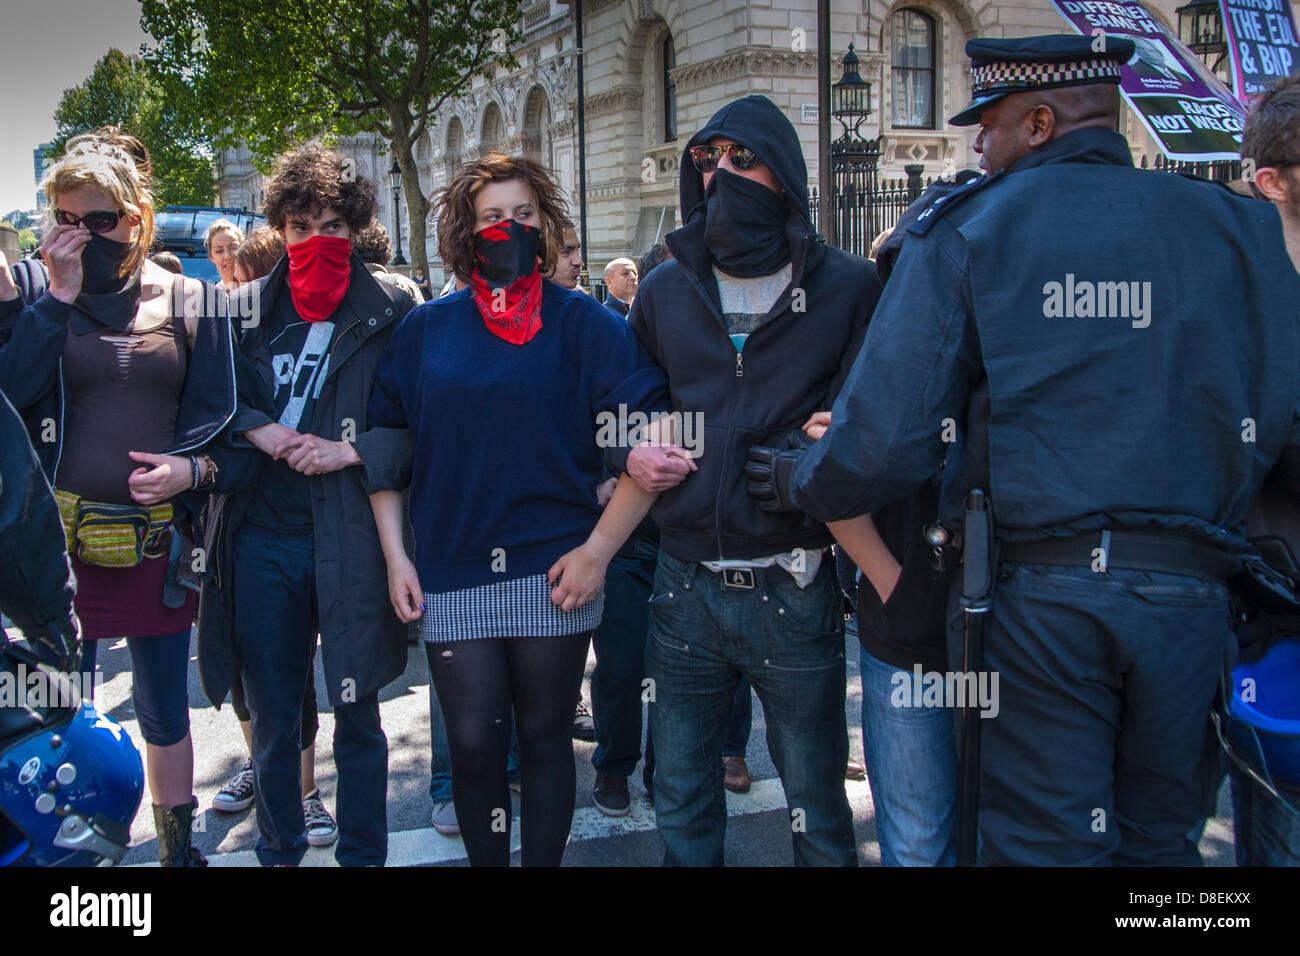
{"x":911,"y":758}
{"x":275,"y":634}
{"x":789,"y":643}
{"x":440,"y":756}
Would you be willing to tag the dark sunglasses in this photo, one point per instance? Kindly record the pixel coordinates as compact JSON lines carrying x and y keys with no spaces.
{"x":100,"y":221}
{"x":706,"y":158}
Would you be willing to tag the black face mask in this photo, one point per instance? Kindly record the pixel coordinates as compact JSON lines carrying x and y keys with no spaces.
{"x":507,"y":251}
{"x":105,"y":296}
{"x":745,"y":226}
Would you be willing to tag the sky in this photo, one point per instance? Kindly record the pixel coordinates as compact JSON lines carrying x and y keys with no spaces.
{"x":47,"y":46}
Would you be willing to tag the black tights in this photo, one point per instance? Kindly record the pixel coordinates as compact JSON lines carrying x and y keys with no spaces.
{"x":477,"y":681}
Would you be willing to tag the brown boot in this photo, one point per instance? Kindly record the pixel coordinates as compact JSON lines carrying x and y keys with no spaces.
{"x":855,"y":771}
{"x":173,"y":825}
{"x":736,"y":778}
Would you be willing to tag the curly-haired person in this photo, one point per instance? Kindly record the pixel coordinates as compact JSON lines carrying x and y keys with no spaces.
{"x":296,"y":550}
{"x":502,"y":385}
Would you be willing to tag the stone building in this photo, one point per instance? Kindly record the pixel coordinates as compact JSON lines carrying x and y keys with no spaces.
{"x":656,"y":70}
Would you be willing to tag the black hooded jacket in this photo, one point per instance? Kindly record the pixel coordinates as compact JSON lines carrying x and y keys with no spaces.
{"x":793,"y":363}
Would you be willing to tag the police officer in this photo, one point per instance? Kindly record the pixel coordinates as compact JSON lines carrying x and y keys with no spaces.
{"x":1112,"y":355}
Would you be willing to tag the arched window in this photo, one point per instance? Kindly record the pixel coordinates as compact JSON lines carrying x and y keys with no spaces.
{"x":912,"y":58}
{"x":669,"y":61}
{"x":455,"y":142}
{"x":537,"y":122}
{"x":494,"y":130}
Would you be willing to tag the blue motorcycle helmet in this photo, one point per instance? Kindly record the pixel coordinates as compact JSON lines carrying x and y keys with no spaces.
{"x":71,"y":780}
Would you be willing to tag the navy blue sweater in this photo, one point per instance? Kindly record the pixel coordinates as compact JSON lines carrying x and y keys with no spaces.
{"x":506,"y":461}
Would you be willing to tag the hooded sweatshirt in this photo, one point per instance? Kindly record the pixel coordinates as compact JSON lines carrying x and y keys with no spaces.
{"x":791,"y":364}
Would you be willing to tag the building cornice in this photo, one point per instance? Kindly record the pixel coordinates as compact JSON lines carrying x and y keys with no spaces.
{"x":756,"y":61}
{"x":610,"y":101}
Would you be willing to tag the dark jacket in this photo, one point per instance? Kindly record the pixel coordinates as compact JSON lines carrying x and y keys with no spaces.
{"x":793,"y":364}
{"x":615,"y":304}
{"x":31,"y":350}
{"x":362,"y":640}
{"x":1075,"y":422}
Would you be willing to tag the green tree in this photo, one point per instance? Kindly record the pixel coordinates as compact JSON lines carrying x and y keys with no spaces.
{"x":27,"y":240}
{"x":270,"y":75}
{"x":120,"y":91}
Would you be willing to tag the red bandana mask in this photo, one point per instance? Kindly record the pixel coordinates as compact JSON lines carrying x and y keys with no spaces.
{"x":506,"y":285}
{"x":319,"y":273}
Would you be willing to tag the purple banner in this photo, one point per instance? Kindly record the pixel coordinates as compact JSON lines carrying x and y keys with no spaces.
{"x":1184,"y":106}
{"x":1261,"y":38}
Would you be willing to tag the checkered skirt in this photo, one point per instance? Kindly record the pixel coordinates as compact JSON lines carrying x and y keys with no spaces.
{"x":518,"y":608}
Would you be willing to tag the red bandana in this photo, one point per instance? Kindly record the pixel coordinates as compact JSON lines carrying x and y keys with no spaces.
{"x":512,"y":312}
{"x":319,"y":273}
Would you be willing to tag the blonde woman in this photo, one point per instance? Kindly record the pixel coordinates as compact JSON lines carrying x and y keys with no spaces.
{"x":137,"y":367}
{"x":222,"y":240}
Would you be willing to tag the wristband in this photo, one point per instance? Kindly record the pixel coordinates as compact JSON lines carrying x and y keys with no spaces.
{"x":194,"y":469}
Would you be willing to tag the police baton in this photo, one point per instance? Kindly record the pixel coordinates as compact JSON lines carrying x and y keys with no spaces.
{"x":976,"y":584}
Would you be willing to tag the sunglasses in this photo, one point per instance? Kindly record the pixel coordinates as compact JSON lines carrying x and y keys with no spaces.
{"x":100,"y":221}
{"x":706,"y":158}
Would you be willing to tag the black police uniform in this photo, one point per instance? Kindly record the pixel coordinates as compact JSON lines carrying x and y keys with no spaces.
{"x":1113,"y":350}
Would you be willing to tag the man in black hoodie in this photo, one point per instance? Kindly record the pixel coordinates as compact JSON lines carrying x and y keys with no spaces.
{"x":756,"y":322}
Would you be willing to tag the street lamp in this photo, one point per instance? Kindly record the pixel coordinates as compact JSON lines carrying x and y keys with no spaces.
{"x":1201,"y":29}
{"x":851,"y":97}
{"x":395,"y":176}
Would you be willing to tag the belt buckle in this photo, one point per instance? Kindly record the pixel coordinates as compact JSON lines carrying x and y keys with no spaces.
{"x":742,"y":578}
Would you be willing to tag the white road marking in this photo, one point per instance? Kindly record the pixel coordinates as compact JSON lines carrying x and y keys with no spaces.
{"x":427,"y":846}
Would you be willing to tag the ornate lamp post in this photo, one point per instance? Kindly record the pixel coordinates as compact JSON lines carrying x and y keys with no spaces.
{"x":1201,"y":29}
{"x":853,"y":161}
{"x":395,"y":177}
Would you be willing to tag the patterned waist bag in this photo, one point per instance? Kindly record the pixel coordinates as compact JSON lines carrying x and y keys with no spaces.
{"x":114,"y":536}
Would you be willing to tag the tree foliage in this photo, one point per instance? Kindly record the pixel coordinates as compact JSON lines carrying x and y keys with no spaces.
{"x":120,"y":91}
{"x":271,"y":75}
{"x":27,"y":240}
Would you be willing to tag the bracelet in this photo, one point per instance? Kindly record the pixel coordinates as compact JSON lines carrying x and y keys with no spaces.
{"x":194,"y":468}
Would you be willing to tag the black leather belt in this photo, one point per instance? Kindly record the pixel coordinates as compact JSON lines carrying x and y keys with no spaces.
{"x":1128,"y":550}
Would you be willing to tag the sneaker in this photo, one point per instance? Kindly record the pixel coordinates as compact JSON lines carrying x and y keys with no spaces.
{"x":444,"y":818}
{"x":610,"y":795}
{"x":321,"y":828}
{"x":237,"y":794}
{"x":855,"y":771}
{"x":584,"y":727}
{"x":736,"y":774}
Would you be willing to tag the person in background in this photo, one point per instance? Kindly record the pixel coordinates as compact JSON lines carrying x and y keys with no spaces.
{"x":1265,"y":832}
{"x":168,"y":261}
{"x":568,"y":267}
{"x":254,"y":259}
{"x":375,"y":249}
{"x":222,"y":239}
{"x":511,"y":543}
{"x":620,"y":284}
{"x":421,"y":282}
{"x":258,"y":254}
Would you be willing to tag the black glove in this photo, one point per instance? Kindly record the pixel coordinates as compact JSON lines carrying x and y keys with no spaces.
{"x":768,"y":471}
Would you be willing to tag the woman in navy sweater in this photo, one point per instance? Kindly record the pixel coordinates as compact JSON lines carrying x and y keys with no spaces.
{"x":502,"y":385}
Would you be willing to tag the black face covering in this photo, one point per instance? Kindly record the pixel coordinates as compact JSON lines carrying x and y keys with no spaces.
{"x":105,"y":296}
{"x":745,"y":226}
{"x":506,"y":251}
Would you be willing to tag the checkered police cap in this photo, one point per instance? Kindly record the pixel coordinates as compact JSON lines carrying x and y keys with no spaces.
{"x":1002,"y":67}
